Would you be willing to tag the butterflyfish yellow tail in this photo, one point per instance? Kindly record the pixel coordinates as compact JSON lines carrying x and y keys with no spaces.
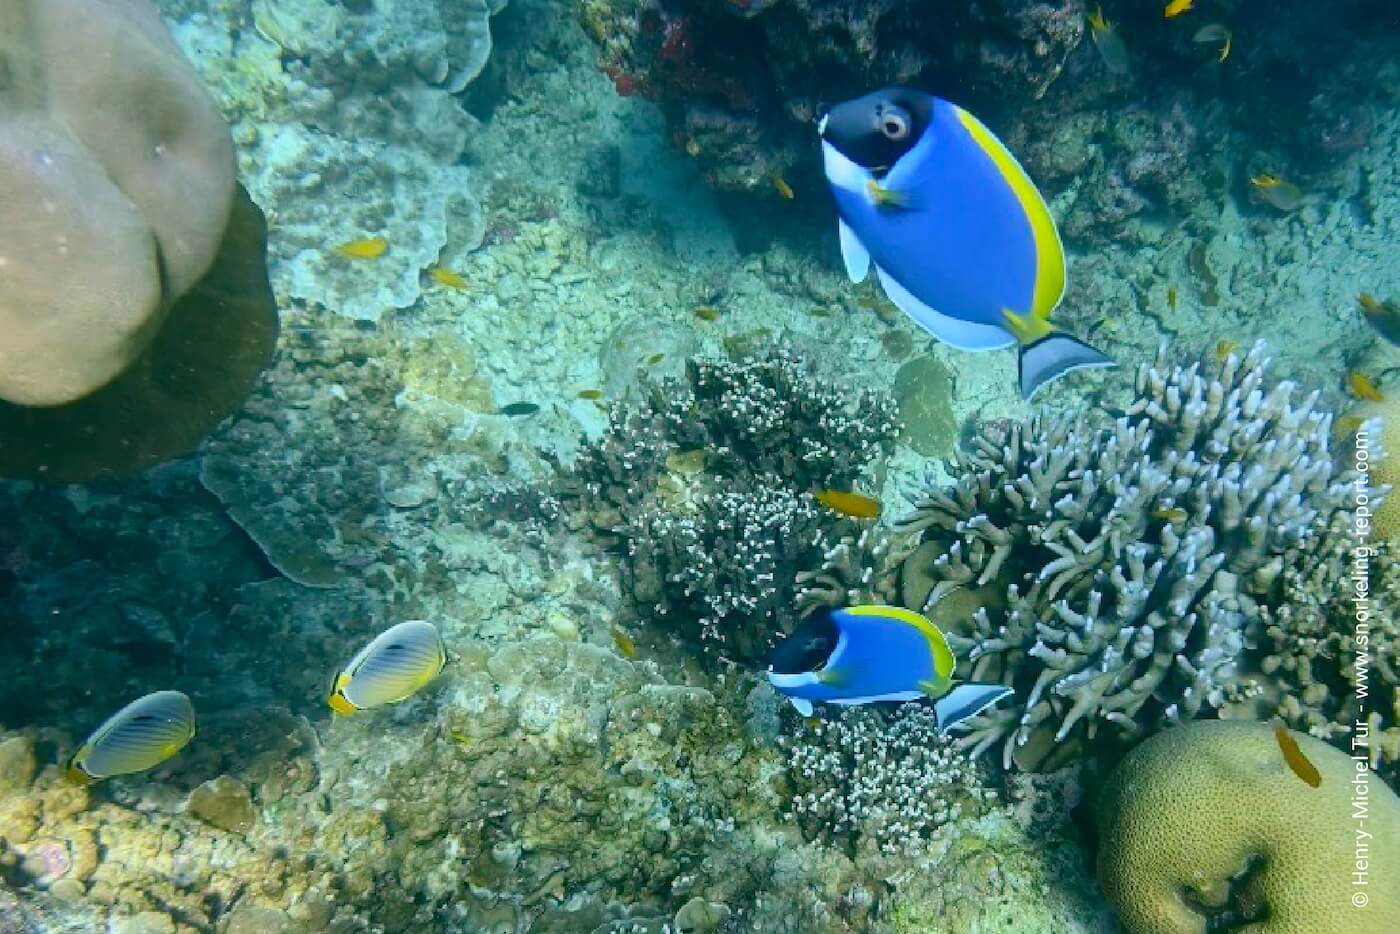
{"x":1046,"y":354}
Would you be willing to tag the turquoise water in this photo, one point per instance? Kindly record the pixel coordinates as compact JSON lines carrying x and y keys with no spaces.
{"x":530,"y":320}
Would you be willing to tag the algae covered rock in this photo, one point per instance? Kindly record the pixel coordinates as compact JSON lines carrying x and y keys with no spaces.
{"x":923,"y":388}
{"x":1207,"y":821}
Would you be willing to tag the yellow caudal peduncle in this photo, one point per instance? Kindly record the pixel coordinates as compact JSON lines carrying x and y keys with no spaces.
{"x":1049,"y":254}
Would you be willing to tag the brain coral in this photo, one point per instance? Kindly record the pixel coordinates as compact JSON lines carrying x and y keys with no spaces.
{"x":1117,"y":571}
{"x":134,"y":167}
{"x":1205,"y":823}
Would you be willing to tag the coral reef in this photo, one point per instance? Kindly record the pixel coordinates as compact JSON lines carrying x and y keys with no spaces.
{"x":137,"y":191}
{"x":1113,"y":571}
{"x":1205,"y":821}
{"x":348,"y":126}
{"x":705,"y":484}
{"x":883,"y":782}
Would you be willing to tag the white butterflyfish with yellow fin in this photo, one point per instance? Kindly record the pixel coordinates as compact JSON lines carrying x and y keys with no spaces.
{"x":394,"y":666}
{"x":141,"y":735}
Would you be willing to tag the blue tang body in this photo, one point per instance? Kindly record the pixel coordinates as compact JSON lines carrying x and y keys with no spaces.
{"x":959,"y":236}
{"x":869,"y":654}
{"x":972,"y":238}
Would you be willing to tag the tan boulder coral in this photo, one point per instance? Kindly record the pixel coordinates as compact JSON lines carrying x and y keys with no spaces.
{"x":116,"y":183}
{"x":1207,"y":822}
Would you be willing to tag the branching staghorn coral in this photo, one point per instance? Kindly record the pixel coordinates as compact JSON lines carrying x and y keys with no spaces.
{"x":1114,"y":571}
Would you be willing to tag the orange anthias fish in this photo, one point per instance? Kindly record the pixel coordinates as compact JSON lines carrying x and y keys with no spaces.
{"x":364,"y":248}
{"x":1361,"y":386}
{"x":855,"y":505}
{"x":1383,"y":316}
{"x":448,"y":278}
{"x":1300,"y":764}
{"x":1176,"y":7}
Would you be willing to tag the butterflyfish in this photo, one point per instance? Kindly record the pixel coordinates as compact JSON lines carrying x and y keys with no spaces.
{"x":869,"y":654}
{"x":141,"y":735}
{"x":1277,"y":193}
{"x":955,"y":230}
{"x":394,"y":666}
{"x":1106,"y":39}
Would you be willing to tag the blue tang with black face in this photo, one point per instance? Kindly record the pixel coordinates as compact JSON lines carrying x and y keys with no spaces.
{"x":959,"y":236}
{"x":868,"y":654}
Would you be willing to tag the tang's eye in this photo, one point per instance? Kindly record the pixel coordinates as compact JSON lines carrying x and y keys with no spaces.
{"x":894,"y":122}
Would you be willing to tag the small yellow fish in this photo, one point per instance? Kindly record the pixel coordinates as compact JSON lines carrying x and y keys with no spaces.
{"x":448,"y":278}
{"x":625,"y":646}
{"x":458,"y":737}
{"x":1273,"y":190}
{"x":1347,"y":425}
{"x":654,"y":359}
{"x":1171,"y":297}
{"x":1173,"y":514}
{"x":784,"y":189}
{"x":1176,"y":7}
{"x":883,"y":197}
{"x":364,"y":248}
{"x":1297,"y":761}
{"x":1362,"y":387}
{"x":1215,"y":32}
{"x":590,"y":394}
{"x":1105,"y":38}
{"x":1223,"y":349}
{"x":707,"y":312}
{"x":855,"y":505}
{"x":1383,"y":316}
{"x":692,"y":148}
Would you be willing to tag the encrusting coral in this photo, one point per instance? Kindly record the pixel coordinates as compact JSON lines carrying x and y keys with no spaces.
{"x":138,"y":186}
{"x":1113,"y":571}
{"x":705,"y":484}
{"x":1206,"y":821}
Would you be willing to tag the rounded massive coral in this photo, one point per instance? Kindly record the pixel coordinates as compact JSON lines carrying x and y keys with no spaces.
{"x":116,"y":183}
{"x":1207,"y":822}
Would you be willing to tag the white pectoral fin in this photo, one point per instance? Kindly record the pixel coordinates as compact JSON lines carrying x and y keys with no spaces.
{"x":966,"y":701}
{"x":853,"y":253}
{"x":962,"y":335}
{"x":801,"y":705}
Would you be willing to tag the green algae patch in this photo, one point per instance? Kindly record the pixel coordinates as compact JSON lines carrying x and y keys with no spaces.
{"x":923,"y":389}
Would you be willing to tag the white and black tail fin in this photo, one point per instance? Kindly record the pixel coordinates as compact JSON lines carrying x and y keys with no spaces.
{"x":967,"y":700}
{"x":1048,"y":358}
